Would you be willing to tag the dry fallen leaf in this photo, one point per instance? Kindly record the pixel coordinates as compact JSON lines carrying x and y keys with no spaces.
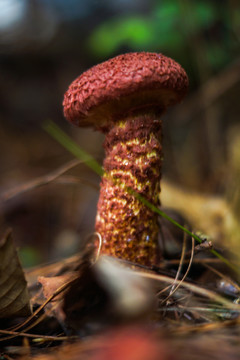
{"x":14,"y":297}
{"x":51,"y":284}
{"x":211,"y":215}
{"x":54,"y":289}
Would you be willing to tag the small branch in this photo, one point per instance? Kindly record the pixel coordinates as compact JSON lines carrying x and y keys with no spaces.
{"x":44,"y":180}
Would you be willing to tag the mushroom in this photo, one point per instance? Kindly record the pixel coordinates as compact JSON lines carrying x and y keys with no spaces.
{"x":124,"y":98}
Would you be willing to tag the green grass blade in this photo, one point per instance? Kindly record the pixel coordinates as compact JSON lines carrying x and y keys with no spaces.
{"x":59,"y":135}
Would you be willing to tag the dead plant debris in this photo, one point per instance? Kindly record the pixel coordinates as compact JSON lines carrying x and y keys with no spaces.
{"x":14,"y":297}
{"x":93,"y":307}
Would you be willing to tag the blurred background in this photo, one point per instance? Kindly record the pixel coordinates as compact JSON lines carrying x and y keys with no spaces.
{"x":45,"y":45}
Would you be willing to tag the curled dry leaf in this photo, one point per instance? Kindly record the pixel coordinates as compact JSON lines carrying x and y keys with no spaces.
{"x":53,"y":289}
{"x":14,"y":297}
{"x":51,"y":285}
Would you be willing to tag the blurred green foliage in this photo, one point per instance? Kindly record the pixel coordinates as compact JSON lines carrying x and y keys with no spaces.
{"x":184,"y":29}
{"x":29,"y":256}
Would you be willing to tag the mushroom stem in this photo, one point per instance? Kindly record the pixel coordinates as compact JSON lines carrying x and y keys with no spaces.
{"x":133,"y":160}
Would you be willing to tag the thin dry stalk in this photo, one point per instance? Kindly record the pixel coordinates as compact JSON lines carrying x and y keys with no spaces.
{"x":191,"y":287}
{"x":175,"y":286}
{"x":46,"y":179}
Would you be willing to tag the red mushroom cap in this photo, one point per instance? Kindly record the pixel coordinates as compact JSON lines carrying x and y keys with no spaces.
{"x":133,"y":82}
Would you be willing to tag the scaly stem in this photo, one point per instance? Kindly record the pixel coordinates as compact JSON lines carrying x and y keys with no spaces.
{"x":128,"y":228}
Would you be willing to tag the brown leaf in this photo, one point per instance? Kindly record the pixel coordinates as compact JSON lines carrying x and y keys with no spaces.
{"x":51,"y":284}
{"x":14,"y":298}
{"x":55,"y":287}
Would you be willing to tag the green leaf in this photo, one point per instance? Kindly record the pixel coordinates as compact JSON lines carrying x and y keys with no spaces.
{"x":133,"y":31}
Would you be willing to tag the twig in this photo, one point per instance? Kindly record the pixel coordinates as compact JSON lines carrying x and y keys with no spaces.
{"x":191,"y":287}
{"x":44,"y":337}
{"x":40,"y":181}
{"x":206,"y":327}
{"x":221,"y":275}
{"x":175,"y":287}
